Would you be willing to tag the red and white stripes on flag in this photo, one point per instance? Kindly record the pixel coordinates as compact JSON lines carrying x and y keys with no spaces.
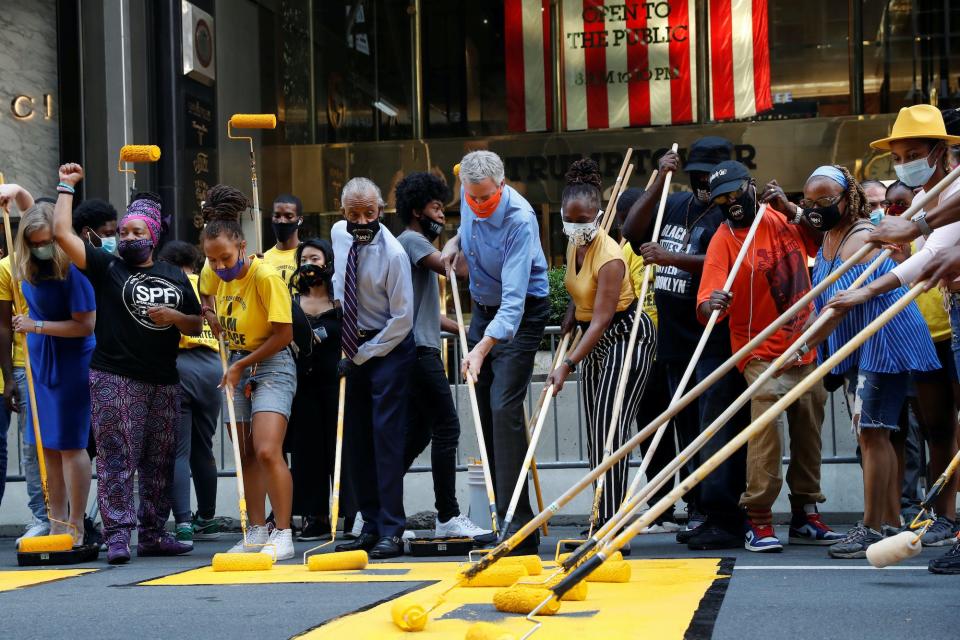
{"x":739,"y":59}
{"x":529,"y":65}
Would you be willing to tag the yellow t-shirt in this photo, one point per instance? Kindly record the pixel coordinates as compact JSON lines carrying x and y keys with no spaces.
{"x":6,"y":295}
{"x":205,"y":339}
{"x":938,"y":321}
{"x":635,"y":269}
{"x":209,"y":281}
{"x":582,"y":284}
{"x":283,"y":260}
{"x":246,"y":306}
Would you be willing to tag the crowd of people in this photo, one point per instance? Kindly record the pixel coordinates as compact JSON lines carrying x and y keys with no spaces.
{"x":134,"y":341}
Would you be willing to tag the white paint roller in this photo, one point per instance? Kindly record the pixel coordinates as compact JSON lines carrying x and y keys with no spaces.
{"x":894,"y":549}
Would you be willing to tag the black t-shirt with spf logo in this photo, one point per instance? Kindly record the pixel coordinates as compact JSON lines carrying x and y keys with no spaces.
{"x":129,"y":343}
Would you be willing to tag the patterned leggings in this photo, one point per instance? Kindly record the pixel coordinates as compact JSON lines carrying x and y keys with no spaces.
{"x":135,"y":426}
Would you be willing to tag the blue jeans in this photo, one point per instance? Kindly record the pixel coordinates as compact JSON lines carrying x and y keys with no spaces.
{"x":31,"y":468}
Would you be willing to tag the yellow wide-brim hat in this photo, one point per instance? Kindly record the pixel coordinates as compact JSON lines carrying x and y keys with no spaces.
{"x":918,"y":121}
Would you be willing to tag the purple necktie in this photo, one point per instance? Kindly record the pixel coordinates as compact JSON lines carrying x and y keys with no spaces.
{"x":350,"y":333}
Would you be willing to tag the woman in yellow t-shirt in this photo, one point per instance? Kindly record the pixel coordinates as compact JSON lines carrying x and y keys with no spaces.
{"x":253,"y":311}
{"x":603,"y":304}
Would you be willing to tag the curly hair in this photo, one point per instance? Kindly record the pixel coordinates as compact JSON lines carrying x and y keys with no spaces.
{"x":180,"y":254}
{"x":93,"y":214}
{"x":221,"y":212}
{"x":583,"y":183}
{"x":416,"y":191}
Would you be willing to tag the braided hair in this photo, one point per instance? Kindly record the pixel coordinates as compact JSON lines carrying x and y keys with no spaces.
{"x":854,"y":195}
{"x":221,"y":212}
{"x":583,"y":183}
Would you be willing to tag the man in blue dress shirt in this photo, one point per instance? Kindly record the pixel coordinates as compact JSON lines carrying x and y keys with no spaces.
{"x":372,"y":282}
{"x":499,"y":244}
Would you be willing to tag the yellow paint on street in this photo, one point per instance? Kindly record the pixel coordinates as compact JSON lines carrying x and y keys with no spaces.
{"x":10,"y":580}
{"x":659,"y":601}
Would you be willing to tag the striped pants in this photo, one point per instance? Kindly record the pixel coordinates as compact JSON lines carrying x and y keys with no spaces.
{"x":599,"y":376}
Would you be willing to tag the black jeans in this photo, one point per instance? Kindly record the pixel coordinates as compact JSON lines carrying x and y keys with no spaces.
{"x":433,"y":420}
{"x":501,"y":388}
{"x":718,"y":496}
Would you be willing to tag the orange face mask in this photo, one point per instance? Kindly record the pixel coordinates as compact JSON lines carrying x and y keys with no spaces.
{"x":486,"y":209}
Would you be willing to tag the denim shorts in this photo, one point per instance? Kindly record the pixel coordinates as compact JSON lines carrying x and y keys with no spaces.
{"x":955,"y":329}
{"x":876,"y":399}
{"x":269,"y":385}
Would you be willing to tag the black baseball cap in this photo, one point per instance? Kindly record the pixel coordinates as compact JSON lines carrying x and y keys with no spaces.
{"x":726,"y":177}
{"x":708,"y":152}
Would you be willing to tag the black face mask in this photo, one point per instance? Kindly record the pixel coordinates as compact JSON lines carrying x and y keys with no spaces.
{"x":284,"y":230}
{"x":363,"y":233}
{"x":823,"y":218}
{"x":701,"y":188}
{"x":741,"y":212}
{"x":310,"y":275}
{"x":430,"y":228}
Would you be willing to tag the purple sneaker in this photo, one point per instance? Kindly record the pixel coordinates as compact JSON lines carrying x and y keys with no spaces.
{"x":118,"y":553}
{"x":167,"y":545}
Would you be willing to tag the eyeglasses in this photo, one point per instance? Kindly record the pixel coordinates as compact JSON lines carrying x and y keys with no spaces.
{"x":732,"y":196}
{"x":820,"y":203}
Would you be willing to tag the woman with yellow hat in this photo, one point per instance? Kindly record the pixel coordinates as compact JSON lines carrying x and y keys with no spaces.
{"x":919,"y":147}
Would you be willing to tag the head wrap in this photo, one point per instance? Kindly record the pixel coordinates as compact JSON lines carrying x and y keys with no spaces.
{"x":149,"y":212}
{"x":829,"y":171}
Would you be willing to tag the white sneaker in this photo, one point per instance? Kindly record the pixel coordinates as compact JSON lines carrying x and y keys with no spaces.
{"x":357,"y":525}
{"x":36,"y":528}
{"x":408,"y":535}
{"x":459,"y":526}
{"x":256,"y":535}
{"x":279,"y":545}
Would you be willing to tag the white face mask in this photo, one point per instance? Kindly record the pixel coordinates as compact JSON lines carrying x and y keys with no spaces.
{"x":580,"y":233}
{"x":915,"y":173}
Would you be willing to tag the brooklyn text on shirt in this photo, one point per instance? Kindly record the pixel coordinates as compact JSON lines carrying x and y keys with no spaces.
{"x":143,"y":291}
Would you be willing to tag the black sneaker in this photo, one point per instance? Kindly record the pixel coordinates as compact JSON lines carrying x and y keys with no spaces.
{"x":684,"y":535}
{"x":314,"y":529}
{"x":947,"y":564}
{"x":854,"y":544}
{"x":91,"y":532}
{"x":710,"y":536}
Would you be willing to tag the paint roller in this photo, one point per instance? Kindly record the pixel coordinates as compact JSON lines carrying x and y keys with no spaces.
{"x":499,"y":575}
{"x":472,"y":393}
{"x":252,"y":121}
{"x":907,"y":544}
{"x":681,"y":403}
{"x":239,"y":561}
{"x":487,"y":631}
{"x":56,"y":548}
{"x":345,"y":559}
{"x":594,"y":562}
{"x":136,"y":153}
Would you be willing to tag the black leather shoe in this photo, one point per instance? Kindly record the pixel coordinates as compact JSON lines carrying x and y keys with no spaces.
{"x":711,"y":536}
{"x":387,"y":547}
{"x":364,"y":542}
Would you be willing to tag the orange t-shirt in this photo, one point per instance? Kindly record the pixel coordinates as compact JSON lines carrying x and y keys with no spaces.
{"x":776,"y":265}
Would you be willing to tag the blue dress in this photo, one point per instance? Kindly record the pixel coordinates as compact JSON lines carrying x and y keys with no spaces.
{"x":61,"y":366}
{"x":901,"y":345}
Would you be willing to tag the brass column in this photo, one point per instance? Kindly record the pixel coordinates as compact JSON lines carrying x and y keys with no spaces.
{"x":416,"y":109}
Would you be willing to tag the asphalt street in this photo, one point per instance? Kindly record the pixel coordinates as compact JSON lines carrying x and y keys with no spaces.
{"x":799,"y":593}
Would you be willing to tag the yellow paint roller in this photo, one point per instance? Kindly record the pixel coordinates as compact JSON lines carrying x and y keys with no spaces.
{"x":894,"y":549}
{"x":577,"y":594}
{"x":499,"y":575}
{"x":456,"y":170}
{"x":252,"y":121}
{"x":611,"y":571}
{"x":134,"y":153}
{"x":488,"y":631}
{"x":615,"y":557}
{"x":341,"y":561}
{"x":45,"y":544}
{"x":242,"y":562}
{"x":524,"y":599}
{"x":532,"y":563}
{"x":408,"y":614}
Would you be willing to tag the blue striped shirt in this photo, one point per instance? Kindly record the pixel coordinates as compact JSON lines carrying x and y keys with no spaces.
{"x":901,"y":345}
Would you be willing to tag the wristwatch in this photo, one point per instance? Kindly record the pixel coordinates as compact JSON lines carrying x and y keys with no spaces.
{"x":797,"y":216}
{"x":570,"y":363}
{"x":38,"y":326}
{"x":921,"y":221}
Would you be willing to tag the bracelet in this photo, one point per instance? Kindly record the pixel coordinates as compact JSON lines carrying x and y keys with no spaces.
{"x":570,"y":363}
{"x":38,"y":326}
{"x":204,"y":310}
{"x":63,"y":187}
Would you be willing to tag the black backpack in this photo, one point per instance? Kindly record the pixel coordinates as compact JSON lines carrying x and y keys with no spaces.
{"x":302,"y":343}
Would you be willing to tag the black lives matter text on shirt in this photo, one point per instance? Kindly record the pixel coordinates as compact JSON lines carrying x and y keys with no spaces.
{"x":129,"y":342}
{"x":688,"y":226}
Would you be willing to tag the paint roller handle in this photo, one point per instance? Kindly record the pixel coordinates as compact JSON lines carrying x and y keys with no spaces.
{"x":579,"y":553}
{"x":486,"y":561}
{"x":577,"y":576}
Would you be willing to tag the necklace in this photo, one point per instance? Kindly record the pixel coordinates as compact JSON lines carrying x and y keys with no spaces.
{"x":688,"y":228}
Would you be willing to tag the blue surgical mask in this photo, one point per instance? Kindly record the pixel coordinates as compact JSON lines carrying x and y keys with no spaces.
{"x":43,"y":252}
{"x":915,"y":173}
{"x":109,"y":244}
{"x":876,"y":215}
